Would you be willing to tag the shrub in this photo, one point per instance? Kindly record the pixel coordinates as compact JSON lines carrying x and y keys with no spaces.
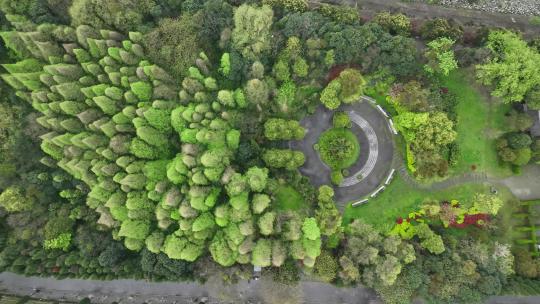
{"x":340,"y":13}
{"x":339,"y":148}
{"x":395,"y":24}
{"x":519,"y":140}
{"x":438,"y":28}
{"x":341,"y":120}
{"x":291,"y":5}
{"x":13,"y":200}
{"x":143,"y":90}
{"x":336,"y":177}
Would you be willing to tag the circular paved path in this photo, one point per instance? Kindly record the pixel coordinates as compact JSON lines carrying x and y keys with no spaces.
{"x":319,"y":173}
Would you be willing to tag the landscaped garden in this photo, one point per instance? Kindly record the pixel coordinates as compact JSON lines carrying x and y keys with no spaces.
{"x":200,"y":140}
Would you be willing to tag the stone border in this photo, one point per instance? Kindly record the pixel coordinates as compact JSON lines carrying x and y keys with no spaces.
{"x":373,"y":151}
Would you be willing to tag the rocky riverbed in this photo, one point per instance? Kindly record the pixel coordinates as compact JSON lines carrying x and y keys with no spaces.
{"x":519,"y":7}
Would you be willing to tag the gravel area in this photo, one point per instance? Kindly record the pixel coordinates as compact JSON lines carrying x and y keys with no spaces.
{"x":518,"y":7}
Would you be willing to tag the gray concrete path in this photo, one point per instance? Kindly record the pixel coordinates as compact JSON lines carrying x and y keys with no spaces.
{"x":319,"y":173}
{"x":525,"y":186}
{"x":213,"y":291}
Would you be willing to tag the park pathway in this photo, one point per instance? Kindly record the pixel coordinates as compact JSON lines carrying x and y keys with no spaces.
{"x":211,"y":292}
{"x":525,"y":186}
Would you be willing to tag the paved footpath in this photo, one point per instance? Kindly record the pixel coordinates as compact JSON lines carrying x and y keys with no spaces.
{"x":319,"y":173}
{"x":212,"y":292}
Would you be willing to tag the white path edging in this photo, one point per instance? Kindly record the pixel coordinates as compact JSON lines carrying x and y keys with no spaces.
{"x":390,"y":177}
{"x":360,"y":202}
{"x":374,"y":194}
{"x":373,"y":151}
{"x":382,"y":111}
{"x":391,"y":125}
{"x":369,"y":99}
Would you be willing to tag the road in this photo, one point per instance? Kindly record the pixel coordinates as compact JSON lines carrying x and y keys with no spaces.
{"x":213,"y":291}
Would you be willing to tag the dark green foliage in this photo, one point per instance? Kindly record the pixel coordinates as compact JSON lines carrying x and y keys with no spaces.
{"x":339,"y":148}
{"x":437,"y":28}
{"x":178,"y":43}
{"x":342,"y":14}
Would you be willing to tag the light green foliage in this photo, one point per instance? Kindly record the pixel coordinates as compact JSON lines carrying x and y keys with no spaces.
{"x":428,"y":134}
{"x":440,"y":56}
{"x":63,"y":241}
{"x":204,"y":221}
{"x":310,"y":229}
{"x":256,"y":178}
{"x":262,"y":252}
{"x":260,"y":202}
{"x":134,"y":229}
{"x":142,"y":90}
{"x":352,"y":85}
{"x":300,"y":68}
{"x":287,"y":159}
{"x":429,"y":239}
{"x":487,"y":203}
{"x":286,"y":97}
{"x":154,"y":242}
{"x":341,"y":120}
{"x":173,"y":246}
{"x":225,"y":65}
{"x":226,"y":98}
{"x":251,"y":33}
{"x":282,"y":129}
{"x":347,"y":88}
{"x":281,"y":70}
{"x":14,"y":200}
{"x":220,"y":251}
{"x":328,"y":217}
{"x":512,"y":67}
{"x":329,"y":96}
{"x":266,"y":223}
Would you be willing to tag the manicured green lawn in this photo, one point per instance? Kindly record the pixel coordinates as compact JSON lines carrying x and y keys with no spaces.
{"x":339,"y":148}
{"x":399,"y":199}
{"x":287,"y":198}
{"x":479,"y":123}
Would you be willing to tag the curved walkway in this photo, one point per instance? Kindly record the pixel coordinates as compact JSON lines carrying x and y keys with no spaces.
{"x":376,"y":150}
{"x":373,"y":146}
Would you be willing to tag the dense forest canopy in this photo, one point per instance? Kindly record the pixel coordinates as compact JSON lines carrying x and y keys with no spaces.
{"x":150,"y":139}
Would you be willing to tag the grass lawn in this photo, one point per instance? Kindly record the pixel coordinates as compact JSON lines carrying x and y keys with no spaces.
{"x":479,"y":123}
{"x":287,"y":198}
{"x":399,"y":199}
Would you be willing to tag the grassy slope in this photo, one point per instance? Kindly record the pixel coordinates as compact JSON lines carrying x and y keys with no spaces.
{"x":480,"y":120}
{"x":399,"y":199}
{"x":287,"y":198}
{"x":479,"y":123}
